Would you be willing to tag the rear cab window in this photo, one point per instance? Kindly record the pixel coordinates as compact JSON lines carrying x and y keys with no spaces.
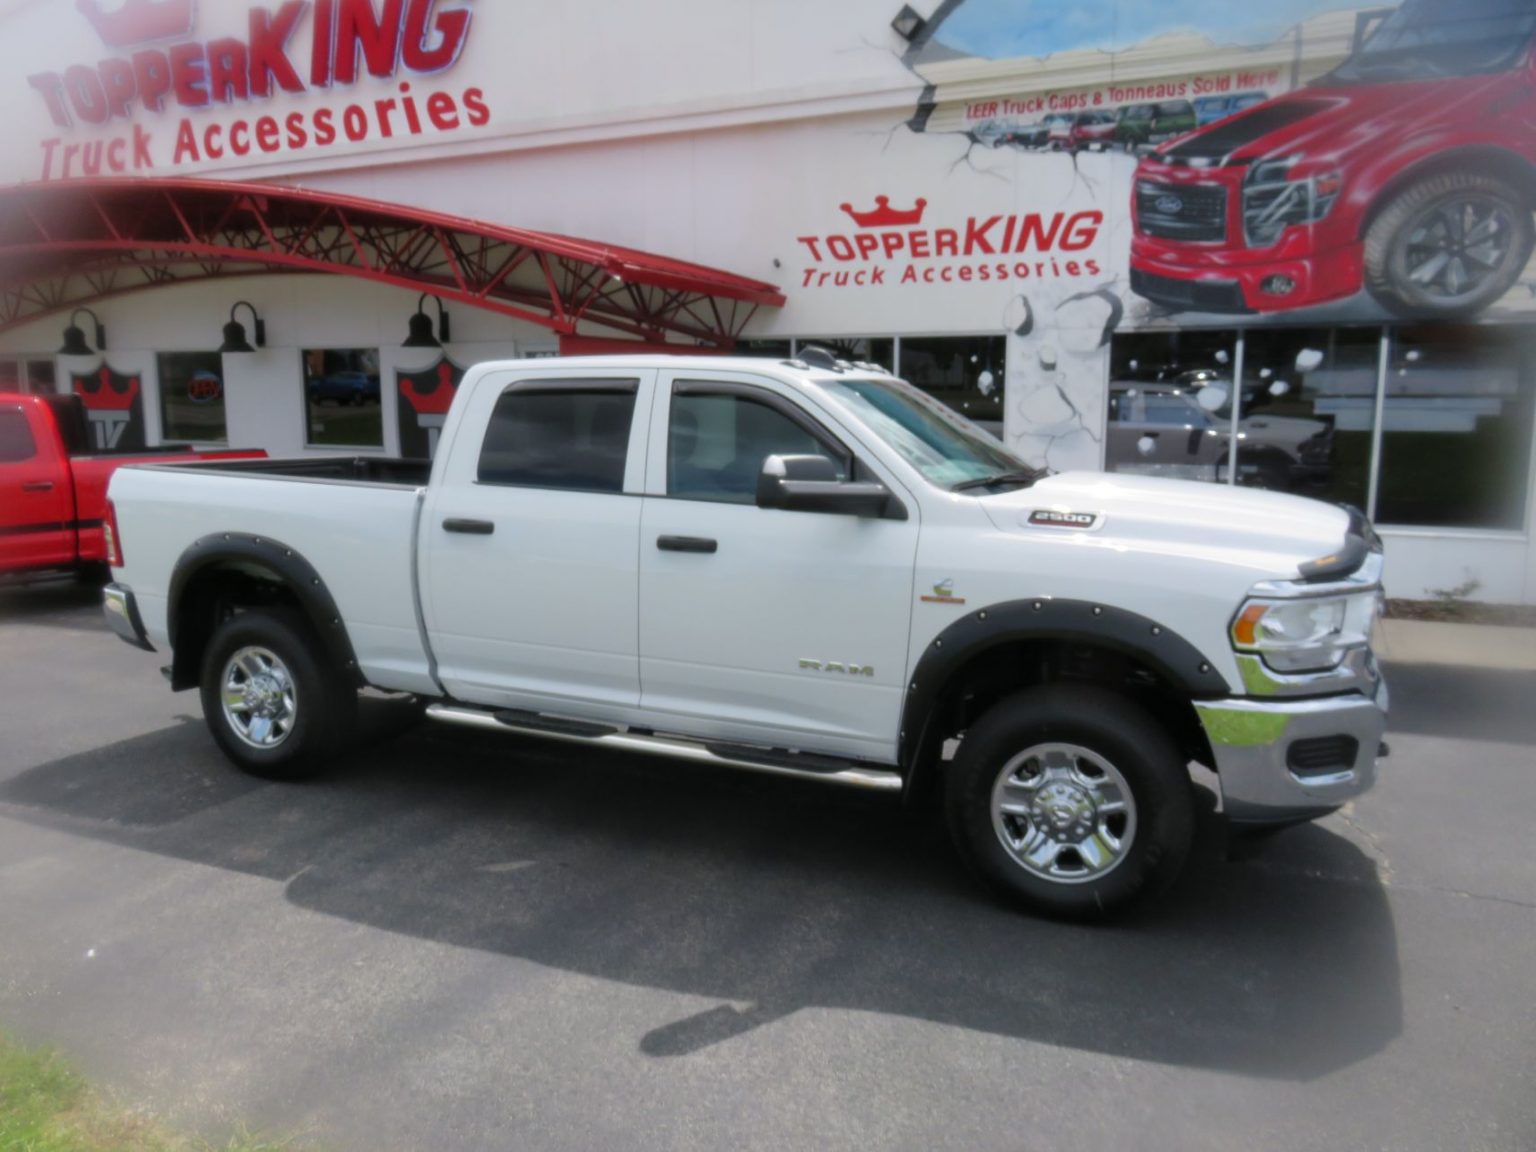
{"x":569,"y":434}
{"x":16,"y":442}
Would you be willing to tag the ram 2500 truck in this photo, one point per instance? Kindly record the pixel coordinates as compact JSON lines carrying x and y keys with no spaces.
{"x":53,"y":492}
{"x":803,"y":567}
{"x":1409,"y":170}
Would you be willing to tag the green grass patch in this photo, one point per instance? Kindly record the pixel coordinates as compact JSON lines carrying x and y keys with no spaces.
{"x":45,"y":1106}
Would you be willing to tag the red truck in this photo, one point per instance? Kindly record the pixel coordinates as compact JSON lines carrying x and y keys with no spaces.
{"x":1409,"y":170}
{"x":53,"y":494}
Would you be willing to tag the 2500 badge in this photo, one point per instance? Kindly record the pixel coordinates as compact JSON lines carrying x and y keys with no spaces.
{"x":1047,"y":519}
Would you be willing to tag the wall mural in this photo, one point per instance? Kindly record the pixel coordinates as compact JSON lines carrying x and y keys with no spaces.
{"x":423,"y":400}
{"x":114,"y":408}
{"x":1330,"y":163}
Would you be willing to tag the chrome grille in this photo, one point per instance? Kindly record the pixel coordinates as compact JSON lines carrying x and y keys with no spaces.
{"x":1181,"y":211}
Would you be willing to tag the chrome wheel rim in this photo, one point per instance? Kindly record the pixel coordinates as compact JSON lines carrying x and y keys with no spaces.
{"x":1063,"y":813}
{"x":259,"y":699}
{"x":1456,"y":248}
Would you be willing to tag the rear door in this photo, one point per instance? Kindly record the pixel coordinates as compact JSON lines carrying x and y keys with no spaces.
{"x":762,"y":625}
{"x":37,"y":527}
{"x":529,"y":543}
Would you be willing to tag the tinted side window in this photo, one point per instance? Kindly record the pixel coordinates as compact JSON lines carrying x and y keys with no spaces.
{"x":1174,"y":410}
{"x":716,"y":446}
{"x":561,"y":436}
{"x":16,"y":443}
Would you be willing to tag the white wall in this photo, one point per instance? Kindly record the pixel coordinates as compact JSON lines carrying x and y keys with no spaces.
{"x":264,"y":390}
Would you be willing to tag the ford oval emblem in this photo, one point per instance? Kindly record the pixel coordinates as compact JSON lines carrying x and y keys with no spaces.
{"x":1170,"y":205}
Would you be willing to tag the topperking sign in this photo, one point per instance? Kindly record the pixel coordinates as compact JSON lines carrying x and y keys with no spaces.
{"x":163,"y":96}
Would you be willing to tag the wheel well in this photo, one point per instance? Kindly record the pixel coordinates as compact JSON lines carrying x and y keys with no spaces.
{"x":214,"y":594}
{"x":1007,"y":668}
{"x":1481,"y":161}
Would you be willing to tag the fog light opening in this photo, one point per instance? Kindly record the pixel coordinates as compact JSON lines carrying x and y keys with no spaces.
{"x":1277,"y":285}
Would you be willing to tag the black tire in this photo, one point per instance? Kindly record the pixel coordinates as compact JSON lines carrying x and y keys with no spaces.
{"x":1112,"y":728}
{"x":1414,"y":226}
{"x":325,"y":704}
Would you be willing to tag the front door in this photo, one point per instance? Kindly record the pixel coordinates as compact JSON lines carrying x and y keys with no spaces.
{"x":529,"y":545}
{"x":36,"y":513}
{"x":788,"y":627}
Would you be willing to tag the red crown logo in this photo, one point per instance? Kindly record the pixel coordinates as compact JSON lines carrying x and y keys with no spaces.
{"x":139,"y":20}
{"x":107,"y":391}
{"x":884,"y":216}
{"x":428,"y":396}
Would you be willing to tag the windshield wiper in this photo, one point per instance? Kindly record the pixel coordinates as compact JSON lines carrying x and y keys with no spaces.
{"x":1024,"y":479}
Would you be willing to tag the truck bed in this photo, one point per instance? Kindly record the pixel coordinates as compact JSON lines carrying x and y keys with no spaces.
{"x":354,"y":520}
{"x":345,"y":469}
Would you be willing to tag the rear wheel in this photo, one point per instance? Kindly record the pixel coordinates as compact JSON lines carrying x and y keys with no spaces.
{"x":270,"y":700}
{"x":1448,"y":245}
{"x":1070,"y":800}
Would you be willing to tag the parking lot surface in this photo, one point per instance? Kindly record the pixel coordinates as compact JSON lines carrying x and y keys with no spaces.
{"x":461,"y":941}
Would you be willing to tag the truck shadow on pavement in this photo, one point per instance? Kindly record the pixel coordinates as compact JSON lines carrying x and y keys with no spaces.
{"x":53,"y":602}
{"x":766,"y":895}
{"x":1464,"y":703}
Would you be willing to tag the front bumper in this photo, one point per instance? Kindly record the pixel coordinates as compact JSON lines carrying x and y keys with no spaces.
{"x":1236,"y":281}
{"x":122,"y":613}
{"x":1281,"y":761}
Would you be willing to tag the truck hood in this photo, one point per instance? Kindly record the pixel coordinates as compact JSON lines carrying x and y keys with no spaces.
{"x":1268,"y":532}
{"x":1331,"y":121}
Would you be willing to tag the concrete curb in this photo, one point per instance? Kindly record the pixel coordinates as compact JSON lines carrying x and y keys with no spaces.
{"x":1468,"y":645}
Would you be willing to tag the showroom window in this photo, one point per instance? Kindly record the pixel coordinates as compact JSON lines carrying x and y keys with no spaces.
{"x":1165,"y":392}
{"x":1307,"y":411}
{"x":192,"y":397}
{"x":1451,"y":407}
{"x":859,"y":349}
{"x":1456,"y":427}
{"x":34,"y":374}
{"x":773,"y":349}
{"x":341,"y":398}
{"x":963,"y":372}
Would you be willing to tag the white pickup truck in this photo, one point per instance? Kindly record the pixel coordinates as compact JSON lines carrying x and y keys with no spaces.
{"x":804,"y":567}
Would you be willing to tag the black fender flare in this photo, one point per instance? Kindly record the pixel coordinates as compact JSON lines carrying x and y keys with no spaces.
{"x":1161,"y":649}
{"x":243,"y":551}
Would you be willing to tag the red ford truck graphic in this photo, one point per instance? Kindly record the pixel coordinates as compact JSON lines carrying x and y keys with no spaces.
{"x":1409,"y":170}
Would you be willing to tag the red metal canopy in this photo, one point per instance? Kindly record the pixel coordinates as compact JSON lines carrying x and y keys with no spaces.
{"x":67,"y":244}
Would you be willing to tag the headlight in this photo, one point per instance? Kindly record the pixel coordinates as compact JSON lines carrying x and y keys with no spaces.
{"x":1273,"y":200}
{"x":1305,"y":634}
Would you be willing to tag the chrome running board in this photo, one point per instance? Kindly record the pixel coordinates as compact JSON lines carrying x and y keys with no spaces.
{"x":799,"y":765}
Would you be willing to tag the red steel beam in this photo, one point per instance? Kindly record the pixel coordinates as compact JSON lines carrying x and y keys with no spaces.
{"x":63,"y":245}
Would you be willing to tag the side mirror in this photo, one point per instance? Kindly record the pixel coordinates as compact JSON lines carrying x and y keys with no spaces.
{"x":811,"y":484}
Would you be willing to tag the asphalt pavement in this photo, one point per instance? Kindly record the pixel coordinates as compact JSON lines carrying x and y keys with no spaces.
{"x":461,"y":941}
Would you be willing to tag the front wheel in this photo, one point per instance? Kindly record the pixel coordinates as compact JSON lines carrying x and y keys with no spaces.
{"x":1448,"y":246}
{"x":1070,"y":800}
{"x":269,"y":699}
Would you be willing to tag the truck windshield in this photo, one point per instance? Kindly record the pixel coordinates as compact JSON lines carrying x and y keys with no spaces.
{"x":1427,"y":39}
{"x":945,"y":449}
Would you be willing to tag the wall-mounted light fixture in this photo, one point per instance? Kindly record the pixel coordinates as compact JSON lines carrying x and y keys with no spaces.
{"x":234,"y":331}
{"x":908,"y":24}
{"x":74,"y":336}
{"x":421,"y":326}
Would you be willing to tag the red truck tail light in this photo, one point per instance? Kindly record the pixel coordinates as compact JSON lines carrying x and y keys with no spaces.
{"x":112,"y":537}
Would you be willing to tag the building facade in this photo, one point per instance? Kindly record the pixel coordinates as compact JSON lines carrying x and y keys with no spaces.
{"x":1287,"y":247}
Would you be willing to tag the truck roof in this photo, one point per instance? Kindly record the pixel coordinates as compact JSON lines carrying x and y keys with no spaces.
{"x":783,"y":366}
